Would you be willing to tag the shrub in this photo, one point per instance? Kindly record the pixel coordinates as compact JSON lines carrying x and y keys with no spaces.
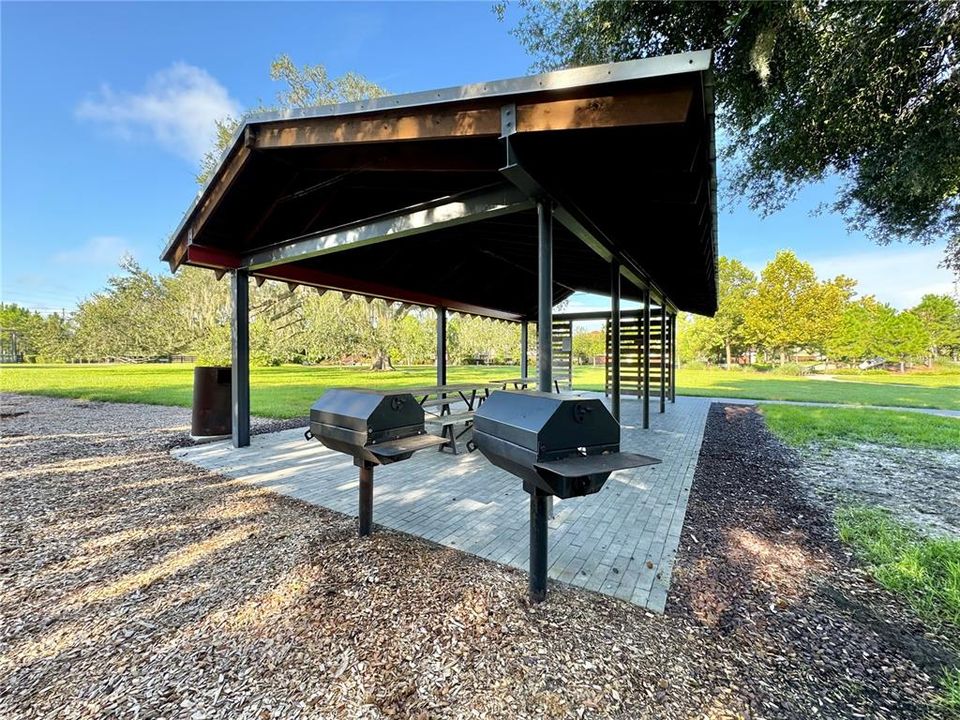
{"x":792,"y":369}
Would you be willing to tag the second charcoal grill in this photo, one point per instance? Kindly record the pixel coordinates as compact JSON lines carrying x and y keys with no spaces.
{"x":558,"y":445}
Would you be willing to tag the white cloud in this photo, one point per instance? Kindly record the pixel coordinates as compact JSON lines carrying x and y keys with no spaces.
{"x":100,"y":250}
{"x":177,"y":108}
{"x":896,"y":276}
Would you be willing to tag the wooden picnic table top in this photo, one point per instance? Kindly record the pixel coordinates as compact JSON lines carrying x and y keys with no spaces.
{"x":456,"y":388}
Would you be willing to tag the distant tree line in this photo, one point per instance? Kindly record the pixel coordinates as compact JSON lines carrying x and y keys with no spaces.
{"x":784,"y":313}
{"x":142,"y":316}
{"x":788,"y":312}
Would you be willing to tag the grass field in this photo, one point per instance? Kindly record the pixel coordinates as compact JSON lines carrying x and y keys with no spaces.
{"x":803,"y":425}
{"x":288,"y":390}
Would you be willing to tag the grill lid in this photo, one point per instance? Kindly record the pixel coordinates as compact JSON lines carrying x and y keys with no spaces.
{"x":545,"y":423}
{"x":367,"y":411}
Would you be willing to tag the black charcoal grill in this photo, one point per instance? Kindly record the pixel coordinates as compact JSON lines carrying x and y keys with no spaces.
{"x":559,"y":445}
{"x":373,"y":427}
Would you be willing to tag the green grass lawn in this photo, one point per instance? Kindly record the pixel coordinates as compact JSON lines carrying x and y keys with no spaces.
{"x":287,"y":391}
{"x":920,"y":390}
{"x":280,"y":392}
{"x":803,"y":425}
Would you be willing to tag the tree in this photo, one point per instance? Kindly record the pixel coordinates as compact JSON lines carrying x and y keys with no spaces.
{"x":904,"y":337}
{"x":861,"y":331}
{"x":783,"y":312}
{"x":588,"y":344}
{"x":688,"y":347}
{"x":416,"y":337}
{"x":940,"y":315}
{"x":54,"y":339}
{"x":727,"y":329}
{"x":134,"y":318}
{"x":698,"y":341}
{"x":832,"y":298}
{"x":867,"y":90}
{"x":470,"y":337}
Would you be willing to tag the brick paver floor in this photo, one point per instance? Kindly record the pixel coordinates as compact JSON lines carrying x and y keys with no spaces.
{"x":620,"y":541}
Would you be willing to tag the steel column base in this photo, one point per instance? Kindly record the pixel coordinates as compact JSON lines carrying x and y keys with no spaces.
{"x":366,"y":499}
{"x":538,"y":547}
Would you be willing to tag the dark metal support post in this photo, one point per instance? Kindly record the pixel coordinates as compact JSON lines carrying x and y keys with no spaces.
{"x":240,"y":357}
{"x":663,"y":357}
{"x":366,"y":499}
{"x":541,"y":505}
{"x":545,"y":296}
{"x":673,"y":358}
{"x":538,"y":546}
{"x":646,"y":358}
{"x":615,"y":340}
{"x":441,"y":346}
{"x":524,"y":348}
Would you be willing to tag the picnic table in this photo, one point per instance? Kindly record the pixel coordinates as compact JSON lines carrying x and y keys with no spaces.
{"x":443,"y":396}
{"x":469,"y":393}
{"x":436,"y":400}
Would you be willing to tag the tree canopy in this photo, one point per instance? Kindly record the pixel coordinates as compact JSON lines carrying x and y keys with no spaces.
{"x":306,"y":86}
{"x":867,"y":90}
{"x":789,"y":311}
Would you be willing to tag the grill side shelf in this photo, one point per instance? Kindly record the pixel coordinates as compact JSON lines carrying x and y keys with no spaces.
{"x":580,"y":465}
{"x":405,"y":446}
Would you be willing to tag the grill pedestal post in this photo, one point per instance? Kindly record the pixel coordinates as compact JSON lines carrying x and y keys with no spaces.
{"x":538,"y":546}
{"x":366,"y":499}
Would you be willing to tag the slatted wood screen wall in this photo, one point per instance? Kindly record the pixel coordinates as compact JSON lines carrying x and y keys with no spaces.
{"x":631,"y":355}
{"x":563,"y":354}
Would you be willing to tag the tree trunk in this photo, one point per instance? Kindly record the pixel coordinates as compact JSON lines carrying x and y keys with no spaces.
{"x":783,"y":358}
{"x":381,"y":361}
{"x":903,"y":366}
{"x":729,"y":354}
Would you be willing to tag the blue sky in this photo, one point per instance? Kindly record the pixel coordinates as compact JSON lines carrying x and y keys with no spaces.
{"x":106,"y":109}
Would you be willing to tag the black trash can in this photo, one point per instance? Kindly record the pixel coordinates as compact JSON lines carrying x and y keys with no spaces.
{"x":212,"y":417}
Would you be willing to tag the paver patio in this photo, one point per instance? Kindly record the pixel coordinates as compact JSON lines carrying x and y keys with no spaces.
{"x":620,"y":541}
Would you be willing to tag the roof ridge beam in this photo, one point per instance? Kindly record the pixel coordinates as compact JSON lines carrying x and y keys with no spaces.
{"x":439,"y":214}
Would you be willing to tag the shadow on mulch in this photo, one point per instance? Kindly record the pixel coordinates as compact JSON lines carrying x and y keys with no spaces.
{"x":762,"y":570}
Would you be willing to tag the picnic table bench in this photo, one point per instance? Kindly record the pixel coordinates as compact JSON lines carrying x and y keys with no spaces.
{"x":520,"y":383}
{"x":443,"y":397}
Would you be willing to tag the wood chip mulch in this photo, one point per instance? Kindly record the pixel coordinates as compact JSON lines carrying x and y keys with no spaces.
{"x":133,"y":585}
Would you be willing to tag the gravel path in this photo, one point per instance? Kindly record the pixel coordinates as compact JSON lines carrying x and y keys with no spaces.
{"x":133,"y":585}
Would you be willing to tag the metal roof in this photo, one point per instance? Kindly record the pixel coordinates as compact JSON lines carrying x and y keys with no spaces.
{"x":235,"y":184}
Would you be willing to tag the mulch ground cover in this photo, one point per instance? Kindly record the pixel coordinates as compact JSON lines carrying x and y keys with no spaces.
{"x":134,"y":585}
